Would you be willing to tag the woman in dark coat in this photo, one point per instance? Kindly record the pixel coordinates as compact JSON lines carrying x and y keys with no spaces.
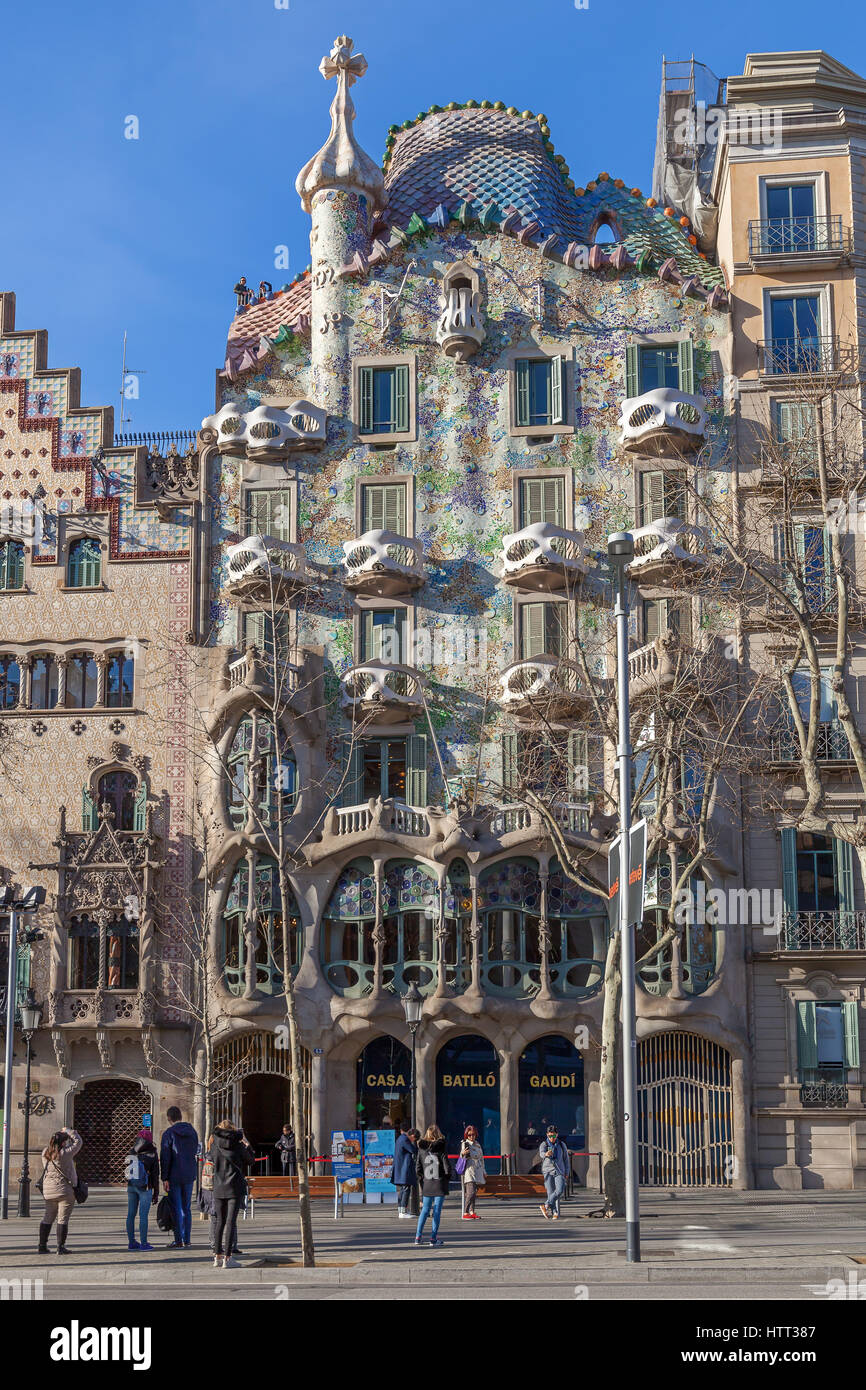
{"x":232,"y":1154}
{"x":405,"y":1178}
{"x":434,"y":1173}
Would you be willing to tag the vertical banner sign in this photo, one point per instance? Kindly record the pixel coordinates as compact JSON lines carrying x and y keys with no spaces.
{"x":378,"y":1160}
{"x":636,"y":876}
{"x":346,"y":1159}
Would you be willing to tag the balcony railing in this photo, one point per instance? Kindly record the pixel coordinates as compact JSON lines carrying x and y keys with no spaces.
{"x":571,"y":816}
{"x":829,"y":1095}
{"x":543,"y":556}
{"x":797,"y":356}
{"x":396,"y":817}
{"x":841,"y":930}
{"x":252,"y":669}
{"x":261,"y":564}
{"x":381,"y":564}
{"x":662,"y":417}
{"x":668,"y":550}
{"x":831,"y":745}
{"x":380,"y":691}
{"x":544,"y":683}
{"x":794,"y":236}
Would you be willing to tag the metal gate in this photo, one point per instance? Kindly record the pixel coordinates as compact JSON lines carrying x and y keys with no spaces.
{"x":685,"y":1134}
{"x":107,"y":1115}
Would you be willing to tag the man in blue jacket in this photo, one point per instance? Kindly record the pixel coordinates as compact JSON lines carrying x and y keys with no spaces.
{"x":178,"y":1156}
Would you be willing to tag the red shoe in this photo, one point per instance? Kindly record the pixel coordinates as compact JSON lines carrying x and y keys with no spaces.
{"x":475,"y":1216}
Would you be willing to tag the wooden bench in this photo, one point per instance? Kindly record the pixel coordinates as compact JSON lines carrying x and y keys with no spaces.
{"x":518,"y":1185}
{"x":264,"y":1189}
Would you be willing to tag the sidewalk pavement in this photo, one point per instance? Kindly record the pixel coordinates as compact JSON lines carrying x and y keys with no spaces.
{"x":700,"y":1243}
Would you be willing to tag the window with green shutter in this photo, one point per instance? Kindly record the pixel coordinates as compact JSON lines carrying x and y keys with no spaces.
{"x":686,"y":366}
{"x":542,"y":499}
{"x":383,"y":399}
{"x":89,"y":819}
{"x":383,"y":634}
{"x":353,"y":786}
{"x":632,"y":371}
{"x":807,"y":1038}
{"x":539,"y":387}
{"x":543,"y":629}
{"x":383,"y":507}
{"x":268,"y":512}
{"x":84,"y":570}
{"x":11,"y":565}
{"x":416,"y":770}
{"x":660,"y":495}
{"x":510,"y":774}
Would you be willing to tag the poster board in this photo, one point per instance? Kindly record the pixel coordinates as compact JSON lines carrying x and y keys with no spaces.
{"x":346,"y":1161}
{"x":379,"y":1160}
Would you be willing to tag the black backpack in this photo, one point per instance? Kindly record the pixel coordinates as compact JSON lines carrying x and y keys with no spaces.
{"x":165,"y":1214}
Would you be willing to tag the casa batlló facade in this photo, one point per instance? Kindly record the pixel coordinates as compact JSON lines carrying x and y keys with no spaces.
{"x":338,"y":625}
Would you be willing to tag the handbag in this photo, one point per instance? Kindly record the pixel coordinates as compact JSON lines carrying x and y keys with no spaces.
{"x":81,"y":1191}
{"x":460,"y":1166}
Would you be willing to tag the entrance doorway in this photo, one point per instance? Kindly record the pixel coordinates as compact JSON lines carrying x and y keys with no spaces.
{"x":384,"y":1087}
{"x":550,"y":1091}
{"x":685,"y":1121}
{"x":252,"y":1086}
{"x":108,"y":1116}
{"x":467,"y":1092}
{"x":266,"y":1104}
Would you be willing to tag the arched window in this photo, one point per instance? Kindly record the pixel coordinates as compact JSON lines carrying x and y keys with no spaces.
{"x":697,"y":934}
{"x":10,"y":682}
{"x":44,"y":683}
{"x":11,"y":565}
{"x":259,"y":783}
{"x":119,"y":681}
{"x":82,"y":681}
{"x":260,"y":876}
{"x":120,"y":953}
{"x":84,"y":570}
{"x":458,"y":926}
{"x":120,"y":790}
{"x":347,"y":925}
{"x":83,"y":954}
{"x":509,"y":902}
{"x":578,"y":936}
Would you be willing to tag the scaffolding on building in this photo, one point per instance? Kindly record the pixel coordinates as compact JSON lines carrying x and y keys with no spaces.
{"x":691,"y":106}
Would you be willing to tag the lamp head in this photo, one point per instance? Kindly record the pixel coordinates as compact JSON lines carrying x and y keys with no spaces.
{"x":413,"y":1004}
{"x":620,"y":548}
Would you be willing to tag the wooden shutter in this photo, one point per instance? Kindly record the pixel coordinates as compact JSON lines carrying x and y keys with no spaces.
{"x":651,"y":620}
{"x":89,"y":818}
{"x":521,"y":386}
{"x":556,"y":629}
{"x":416,"y":770}
{"x":541,"y":499}
{"x":789,"y":868}
{"x":510,"y":778}
{"x":844,"y":871}
{"x":139,"y":812}
{"x":578,"y":768}
{"x":365,"y":399}
{"x":632,"y":371}
{"x":557,"y":390}
{"x":254,"y":630}
{"x":384,"y":507}
{"x":353,"y":787}
{"x":532,"y":630}
{"x":652,"y":497}
{"x":686,"y":362}
{"x":807,"y":1035}
{"x":851,"y":1029}
{"x":401,"y":399}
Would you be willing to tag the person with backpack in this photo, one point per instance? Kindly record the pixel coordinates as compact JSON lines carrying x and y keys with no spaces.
{"x":404,"y":1177}
{"x":178,"y":1160}
{"x":287,"y":1150}
{"x":434,"y":1171}
{"x":142,"y":1187}
{"x":59,"y":1181}
{"x":555,"y":1161}
{"x":470,"y":1166}
{"x":232,"y":1154}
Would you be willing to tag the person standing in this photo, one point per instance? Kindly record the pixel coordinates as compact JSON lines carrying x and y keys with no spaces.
{"x":288,"y":1152}
{"x":178,"y":1156}
{"x":232,"y":1154}
{"x":405,"y":1178}
{"x":554,"y":1169}
{"x":59,"y":1181}
{"x":142,"y":1187}
{"x":434,"y":1171}
{"x":474,"y":1174}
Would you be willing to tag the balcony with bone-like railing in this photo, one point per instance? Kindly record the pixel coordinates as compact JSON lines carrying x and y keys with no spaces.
{"x":261,"y":567}
{"x":669,"y":662}
{"x":382,"y":564}
{"x":543,"y":558}
{"x":267,"y":432}
{"x":382,"y":692}
{"x":664,"y":421}
{"x":669,"y":552}
{"x":548,"y":686}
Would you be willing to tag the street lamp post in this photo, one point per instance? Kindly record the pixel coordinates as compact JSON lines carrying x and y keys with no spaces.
{"x":620,"y":550}
{"x":15,"y":904}
{"x":31,"y":1013}
{"x":413,"y":1007}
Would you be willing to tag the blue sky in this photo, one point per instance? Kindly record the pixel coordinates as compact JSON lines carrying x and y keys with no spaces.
{"x":102,"y":234}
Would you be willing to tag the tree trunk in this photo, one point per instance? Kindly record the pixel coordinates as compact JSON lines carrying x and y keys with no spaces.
{"x":299,"y":1117}
{"x":611,"y":1110}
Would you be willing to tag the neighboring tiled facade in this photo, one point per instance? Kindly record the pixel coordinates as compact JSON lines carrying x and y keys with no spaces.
{"x":417,"y":452}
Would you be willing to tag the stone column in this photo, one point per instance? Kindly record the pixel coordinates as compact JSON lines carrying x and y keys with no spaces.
{"x":318,"y":1103}
{"x":102,"y":660}
{"x":508,"y":1122}
{"x":62,"y":664}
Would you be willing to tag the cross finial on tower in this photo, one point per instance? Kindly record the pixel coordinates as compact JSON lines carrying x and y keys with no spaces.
{"x":342,"y":59}
{"x":341,"y":162}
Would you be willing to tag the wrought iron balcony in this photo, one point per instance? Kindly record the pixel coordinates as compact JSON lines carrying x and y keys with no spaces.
{"x":544,"y":685}
{"x":831,"y":745}
{"x":840,"y":930}
{"x":798,"y":236}
{"x":790,"y":462}
{"x":798,"y":356}
{"x":668,"y":551}
{"x":382,"y":564}
{"x":662,"y":421}
{"x":543,"y":557}
{"x":382,"y":692}
{"x":828,"y":1095}
{"x":260,"y":567}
